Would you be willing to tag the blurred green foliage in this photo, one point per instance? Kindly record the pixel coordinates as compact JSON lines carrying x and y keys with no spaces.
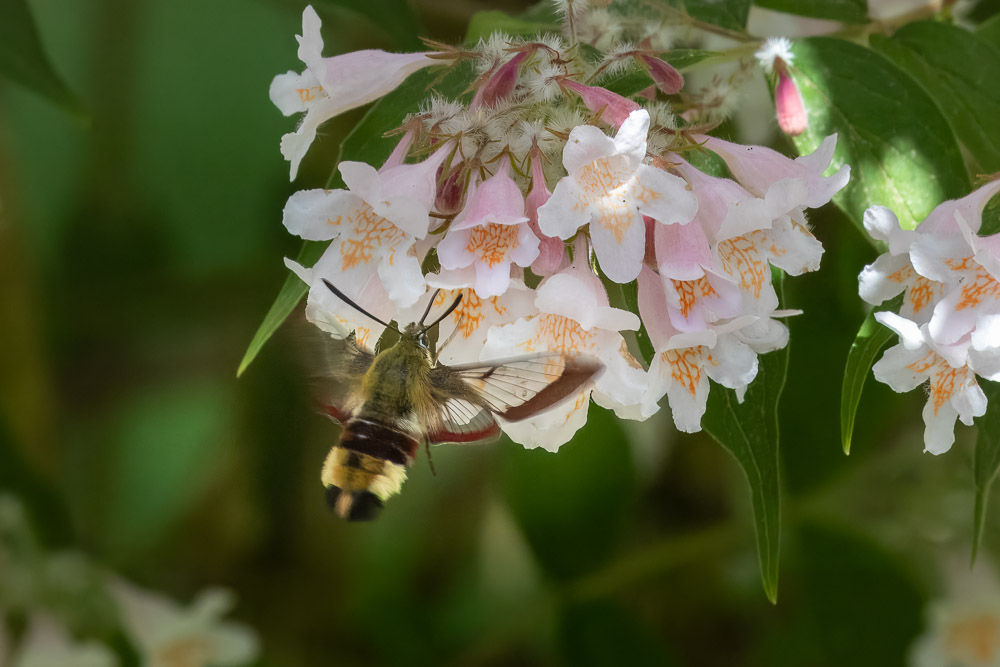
{"x":138,"y":254}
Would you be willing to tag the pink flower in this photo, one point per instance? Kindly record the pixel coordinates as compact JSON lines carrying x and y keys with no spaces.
{"x":490,"y":234}
{"x":373,"y":225}
{"x":953,"y":390}
{"x":757,"y":168}
{"x":551,"y":251}
{"x":663,"y":74}
{"x":792,"y":117}
{"x":685,"y":361}
{"x":331,"y":86}
{"x":462,"y":334}
{"x":775,"y":57}
{"x":949,"y":323}
{"x":499,"y":83}
{"x":608,"y":186}
{"x":613,"y":108}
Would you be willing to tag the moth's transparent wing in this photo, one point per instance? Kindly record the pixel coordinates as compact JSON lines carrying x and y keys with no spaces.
{"x":335,"y":367}
{"x":462,"y":421}
{"x":513,"y":389}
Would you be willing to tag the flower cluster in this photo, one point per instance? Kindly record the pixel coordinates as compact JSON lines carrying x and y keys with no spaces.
{"x":68,"y":603}
{"x":542,"y":191}
{"x":949,"y":321}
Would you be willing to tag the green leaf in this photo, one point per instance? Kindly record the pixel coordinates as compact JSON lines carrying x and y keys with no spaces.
{"x":483,"y":24}
{"x":731,"y":14}
{"x":989,"y":31}
{"x":749,"y":431}
{"x":23,"y":59}
{"x":848,"y":11}
{"x":288,"y":298}
{"x":991,"y":217}
{"x":958,"y":70}
{"x":901,"y":150}
{"x":572,"y":505}
{"x":682,"y":59}
{"x":630,"y":297}
{"x":987,"y":459}
{"x":871,"y":339}
{"x":395,"y":17}
{"x":365,"y":143}
{"x":856,"y":603}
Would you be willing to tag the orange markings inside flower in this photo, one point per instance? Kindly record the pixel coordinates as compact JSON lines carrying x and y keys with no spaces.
{"x":902,"y":275}
{"x":690,"y":291}
{"x":742,"y":260}
{"x":602,"y":177}
{"x":562,"y":334}
{"x":964,"y":264}
{"x":982,"y":286}
{"x":468,"y":315}
{"x":976,"y":637}
{"x":922,"y":292}
{"x":491,"y":242}
{"x":944,"y":380}
{"x":369,"y":231}
{"x":308,"y":94}
{"x":616,"y":217}
{"x":685,"y":367}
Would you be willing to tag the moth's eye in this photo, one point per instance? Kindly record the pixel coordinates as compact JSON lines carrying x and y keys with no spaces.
{"x":423,"y":340}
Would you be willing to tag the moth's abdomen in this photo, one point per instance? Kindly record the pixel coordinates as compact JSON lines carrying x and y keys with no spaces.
{"x":366,"y":467}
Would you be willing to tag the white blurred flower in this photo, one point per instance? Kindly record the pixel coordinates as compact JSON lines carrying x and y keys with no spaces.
{"x":47,"y":644}
{"x":963,"y":626}
{"x":169,"y":635}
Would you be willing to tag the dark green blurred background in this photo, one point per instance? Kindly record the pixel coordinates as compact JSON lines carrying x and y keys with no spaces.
{"x":139,"y":253}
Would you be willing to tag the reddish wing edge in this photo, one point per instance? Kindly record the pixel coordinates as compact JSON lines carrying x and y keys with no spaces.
{"x":440,"y":436}
{"x":332,"y":411}
{"x":578,"y":370}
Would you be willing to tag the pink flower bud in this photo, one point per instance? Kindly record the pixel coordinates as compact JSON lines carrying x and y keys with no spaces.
{"x":551,"y":251}
{"x":667,"y":79}
{"x":792,"y":118}
{"x":499,"y":84}
{"x":451,"y":192}
{"x":614,"y":108}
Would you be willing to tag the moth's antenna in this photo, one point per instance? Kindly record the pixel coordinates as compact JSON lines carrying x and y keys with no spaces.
{"x":343,"y":297}
{"x":451,"y":337}
{"x":446,"y":313}
{"x":429,"y":304}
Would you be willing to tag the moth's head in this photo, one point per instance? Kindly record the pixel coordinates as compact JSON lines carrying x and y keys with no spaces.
{"x":418,"y":333}
{"x":353,"y":506}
